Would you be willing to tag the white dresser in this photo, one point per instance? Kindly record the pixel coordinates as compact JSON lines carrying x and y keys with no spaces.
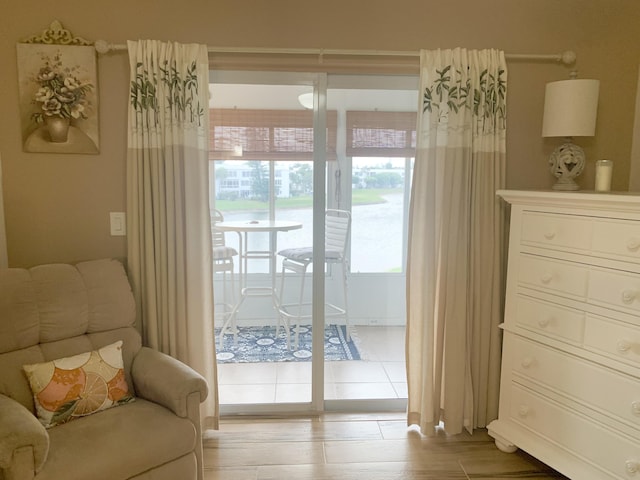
{"x":570,"y":384}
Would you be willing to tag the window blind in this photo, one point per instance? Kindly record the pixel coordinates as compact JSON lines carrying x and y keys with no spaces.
{"x":268,"y":135}
{"x":381,"y":134}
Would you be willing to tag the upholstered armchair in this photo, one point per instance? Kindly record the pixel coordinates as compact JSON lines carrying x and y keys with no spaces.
{"x":80,"y":397}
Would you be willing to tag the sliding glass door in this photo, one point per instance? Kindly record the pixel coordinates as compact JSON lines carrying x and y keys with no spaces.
{"x":376,"y":117}
{"x":264,"y":162}
{"x":311,"y":169}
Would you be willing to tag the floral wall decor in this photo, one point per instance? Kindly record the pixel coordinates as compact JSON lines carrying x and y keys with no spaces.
{"x":58,"y":89}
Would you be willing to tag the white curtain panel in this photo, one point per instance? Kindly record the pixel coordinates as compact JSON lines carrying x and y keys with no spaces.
{"x":168,"y":219}
{"x":454,"y":267}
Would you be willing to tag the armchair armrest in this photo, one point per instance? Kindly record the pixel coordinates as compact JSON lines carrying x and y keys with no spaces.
{"x":21,"y":430}
{"x":163,"y":379}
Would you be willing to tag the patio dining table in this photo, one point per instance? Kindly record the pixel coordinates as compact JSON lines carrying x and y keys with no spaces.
{"x":243,"y":228}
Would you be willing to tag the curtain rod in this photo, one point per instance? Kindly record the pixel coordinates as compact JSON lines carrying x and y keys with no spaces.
{"x":567,"y":58}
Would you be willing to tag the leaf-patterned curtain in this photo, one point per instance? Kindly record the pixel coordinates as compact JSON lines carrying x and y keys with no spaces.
{"x":168,"y":219}
{"x":454,"y":271}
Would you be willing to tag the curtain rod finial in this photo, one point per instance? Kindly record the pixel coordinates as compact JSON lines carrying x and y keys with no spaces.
{"x":102,"y":46}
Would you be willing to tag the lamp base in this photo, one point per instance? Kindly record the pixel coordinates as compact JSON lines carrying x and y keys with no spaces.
{"x":566,"y":185}
{"x":566,"y":163}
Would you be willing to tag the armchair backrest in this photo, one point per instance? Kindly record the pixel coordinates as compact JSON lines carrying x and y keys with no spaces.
{"x":58,"y":310}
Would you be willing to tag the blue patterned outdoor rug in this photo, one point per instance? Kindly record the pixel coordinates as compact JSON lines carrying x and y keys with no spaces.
{"x":259,"y":344}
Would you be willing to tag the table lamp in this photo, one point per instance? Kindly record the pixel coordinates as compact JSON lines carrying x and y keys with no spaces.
{"x":570,"y":108}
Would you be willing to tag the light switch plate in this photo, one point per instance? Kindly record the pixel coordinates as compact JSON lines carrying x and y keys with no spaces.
{"x":118,"y":224}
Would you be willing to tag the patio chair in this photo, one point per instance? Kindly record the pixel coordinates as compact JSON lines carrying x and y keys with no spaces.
{"x":297,"y":260}
{"x":223,"y":262}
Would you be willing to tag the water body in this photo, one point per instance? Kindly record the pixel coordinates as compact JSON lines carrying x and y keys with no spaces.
{"x":376,"y":234}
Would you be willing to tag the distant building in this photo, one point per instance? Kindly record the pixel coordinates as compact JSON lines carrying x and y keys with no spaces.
{"x":235,"y":179}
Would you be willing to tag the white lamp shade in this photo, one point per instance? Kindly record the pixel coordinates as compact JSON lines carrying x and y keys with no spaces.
{"x":570,"y":108}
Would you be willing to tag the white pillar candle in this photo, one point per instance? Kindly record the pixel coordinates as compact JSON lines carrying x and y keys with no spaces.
{"x":604,"y":169}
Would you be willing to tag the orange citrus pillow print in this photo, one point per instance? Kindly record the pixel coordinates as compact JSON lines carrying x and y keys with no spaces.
{"x":72,"y":387}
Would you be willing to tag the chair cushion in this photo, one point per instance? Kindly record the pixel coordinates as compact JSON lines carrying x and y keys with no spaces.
{"x":118,"y":443}
{"x":223,"y":252}
{"x":305,"y":254}
{"x":76,"y":386}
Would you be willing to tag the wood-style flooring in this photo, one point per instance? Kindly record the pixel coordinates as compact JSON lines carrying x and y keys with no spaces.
{"x":353,"y":446}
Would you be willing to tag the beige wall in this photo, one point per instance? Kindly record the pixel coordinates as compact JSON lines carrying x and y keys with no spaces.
{"x":57,"y":206}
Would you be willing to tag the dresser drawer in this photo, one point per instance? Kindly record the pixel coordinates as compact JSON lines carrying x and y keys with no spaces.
{"x":559,"y":231}
{"x":615,"y":289}
{"x":612,"y":393}
{"x":617,"y":238}
{"x":549,"y":319}
{"x":554,"y":276}
{"x":614,"y":453}
{"x":613,"y":339}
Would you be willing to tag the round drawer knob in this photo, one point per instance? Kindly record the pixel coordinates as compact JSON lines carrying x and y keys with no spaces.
{"x":526,"y":362}
{"x":628,"y":296}
{"x":550,"y":235}
{"x":524,"y":411}
{"x":632,"y":466}
{"x":633,"y":244}
{"x":623,"y":346}
{"x":635,"y":407}
{"x":544,"y":322}
{"x":546,"y":278}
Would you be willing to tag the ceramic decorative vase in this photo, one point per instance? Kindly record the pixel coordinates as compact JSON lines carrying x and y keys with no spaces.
{"x":58,"y":128}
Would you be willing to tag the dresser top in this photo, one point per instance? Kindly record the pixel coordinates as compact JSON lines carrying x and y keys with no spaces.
{"x":621,"y":201}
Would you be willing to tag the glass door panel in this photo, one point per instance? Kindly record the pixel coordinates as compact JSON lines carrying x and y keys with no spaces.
{"x":371,"y":180}
{"x":261,"y":172}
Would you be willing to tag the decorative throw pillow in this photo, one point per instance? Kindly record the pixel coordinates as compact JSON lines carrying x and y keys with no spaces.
{"x":73,"y":387}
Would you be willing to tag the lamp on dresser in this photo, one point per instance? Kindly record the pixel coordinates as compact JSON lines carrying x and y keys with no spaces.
{"x":570,"y":108}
